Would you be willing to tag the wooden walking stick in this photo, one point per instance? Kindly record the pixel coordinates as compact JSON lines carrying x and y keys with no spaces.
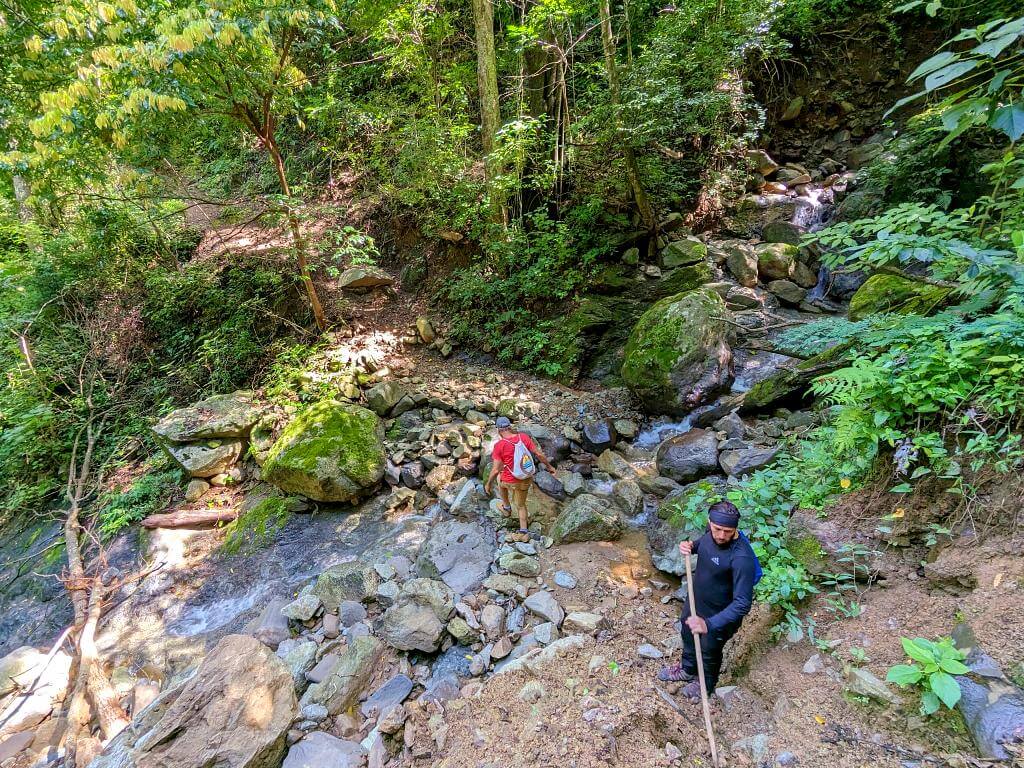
{"x":700,"y":669}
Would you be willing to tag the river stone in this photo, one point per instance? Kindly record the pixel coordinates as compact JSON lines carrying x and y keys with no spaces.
{"x":744,"y":461}
{"x":350,"y":613}
{"x":615,"y":465}
{"x":492,"y":620}
{"x":409,"y":626}
{"x":543,"y":604}
{"x":332,"y":451}
{"x":417,"y":619}
{"x":741,"y":262}
{"x":861,"y":682}
{"x":505,"y":584}
{"x":678,"y":354}
{"x":320,"y":749}
{"x":364,"y":277}
{"x":231,"y":415}
{"x":461,"y":631}
{"x":583,"y":622}
{"x":519,"y":564}
{"x":787,"y":291}
{"x":731,"y":424}
{"x":323,"y":668}
{"x":683,"y":253}
{"x":272,"y":625}
{"x":346,"y":581}
{"x":565,"y":580}
{"x":18,"y":669}
{"x":300,"y":656}
{"x":776,"y":261}
{"x":388,"y":696}
{"x":233,"y":713}
{"x":384,"y":396}
{"x":689,"y":456}
{"x":432,"y":593}
{"x":628,"y":496}
{"x":205,"y":459}
{"x":587,"y":518}
{"x":761,"y":161}
{"x":195,"y":490}
{"x":782,"y":232}
{"x":550,"y":485}
{"x":303,"y":608}
{"x":804,"y":276}
{"x":459,"y":553}
{"x":350,"y":674}
{"x":892,"y":293}
{"x":598,"y":435}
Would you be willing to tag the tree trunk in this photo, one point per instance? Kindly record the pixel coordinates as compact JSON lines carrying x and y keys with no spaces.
{"x":486,"y":75}
{"x":643,"y":204}
{"x":190,"y":518}
{"x":21,"y":194}
{"x":298,"y":242}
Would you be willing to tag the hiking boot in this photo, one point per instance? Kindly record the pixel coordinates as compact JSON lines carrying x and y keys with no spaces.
{"x":675,"y":674}
{"x":691,"y":691}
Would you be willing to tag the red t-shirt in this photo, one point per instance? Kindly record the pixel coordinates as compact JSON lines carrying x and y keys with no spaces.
{"x":505,"y":450}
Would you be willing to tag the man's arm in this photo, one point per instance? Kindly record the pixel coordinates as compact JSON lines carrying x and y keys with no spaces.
{"x":540,"y":455}
{"x":742,"y":595}
{"x":496,"y":469}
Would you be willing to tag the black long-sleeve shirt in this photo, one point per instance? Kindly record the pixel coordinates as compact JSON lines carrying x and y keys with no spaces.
{"x":723,"y":580}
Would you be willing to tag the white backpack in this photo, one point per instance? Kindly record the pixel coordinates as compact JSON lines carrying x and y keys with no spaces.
{"x":523,"y":465}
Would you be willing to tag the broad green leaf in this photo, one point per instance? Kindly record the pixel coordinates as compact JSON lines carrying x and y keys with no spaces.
{"x":998,"y":80}
{"x":933,"y":7}
{"x":953,"y":666}
{"x":948,"y":74}
{"x":908,"y":6}
{"x":992,"y":48}
{"x":930,"y":65}
{"x":916,"y":651}
{"x":1009,"y":120}
{"x":903,"y":674}
{"x":929,"y":703}
{"x":946,"y":688}
{"x":901,"y":488}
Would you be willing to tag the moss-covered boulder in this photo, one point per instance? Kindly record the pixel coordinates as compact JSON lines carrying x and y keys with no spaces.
{"x":776,"y":261}
{"x":587,"y":518}
{"x":678,"y":354}
{"x":892,"y":293}
{"x":681,"y":253}
{"x":331,"y":452}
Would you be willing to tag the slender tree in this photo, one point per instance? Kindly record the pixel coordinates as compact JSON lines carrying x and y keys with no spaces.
{"x":643,"y":203}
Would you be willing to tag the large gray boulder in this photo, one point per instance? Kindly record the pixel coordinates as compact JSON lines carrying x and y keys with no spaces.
{"x":355,"y":581}
{"x":745,"y":460}
{"x":233,"y":713}
{"x":349,"y":676}
{"x":587,"y":518}
{"x":220,"y":416}
{"x":364,"y":277}
{"x":418,"y":617}
{"x":332,"y":451}
{"x":320,"y":750}
{"x":384,"y":396}
{"x":19,"y":668}
{"x":207,"y":458}
{"x":457,"y":553}
{"x":688,"y":457}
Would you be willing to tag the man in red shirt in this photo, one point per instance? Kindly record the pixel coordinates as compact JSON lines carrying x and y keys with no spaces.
{"x":510,"y":486}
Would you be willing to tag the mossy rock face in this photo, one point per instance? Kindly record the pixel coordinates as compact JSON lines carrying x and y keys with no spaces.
{"x":679,"y":280}
{"x":681,"y":253}
{"x":892,"y":293}
{"x":678,"y":354}
{"x":331,"y":452}
{"x":788,"y":383}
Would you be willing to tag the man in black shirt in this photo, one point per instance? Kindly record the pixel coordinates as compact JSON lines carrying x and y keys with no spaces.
{"x":723,"y":589}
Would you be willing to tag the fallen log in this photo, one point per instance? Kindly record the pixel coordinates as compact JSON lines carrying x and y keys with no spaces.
{"x":190,"y":518}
